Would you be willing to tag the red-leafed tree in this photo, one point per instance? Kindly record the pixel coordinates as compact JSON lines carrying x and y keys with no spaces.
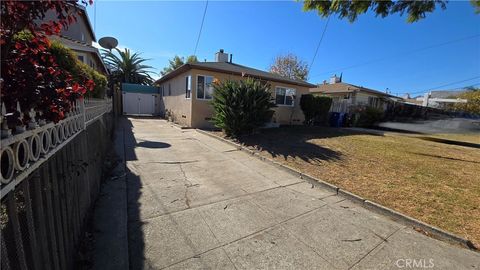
{"x":30,"y":74}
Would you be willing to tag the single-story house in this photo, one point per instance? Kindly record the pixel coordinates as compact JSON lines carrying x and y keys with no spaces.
{"x":347,"y":96}
{"x":187,"y":91}
{"x":442,"y":99}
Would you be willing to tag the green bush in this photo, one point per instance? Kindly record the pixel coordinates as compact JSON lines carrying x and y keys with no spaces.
{"x":241,"y":107}
{"x":369,"y":116}
{"x":315,"y":108}
{"x":68,"y":61}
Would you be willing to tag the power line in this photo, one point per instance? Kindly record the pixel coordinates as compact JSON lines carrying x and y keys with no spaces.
{"x":318,"y":45}
{"x":397,"y":55}
{"x":201,"y":27}
{"x":448,"y":84}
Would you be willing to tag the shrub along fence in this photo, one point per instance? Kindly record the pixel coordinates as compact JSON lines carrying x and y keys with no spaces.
{"x":50,"y":175}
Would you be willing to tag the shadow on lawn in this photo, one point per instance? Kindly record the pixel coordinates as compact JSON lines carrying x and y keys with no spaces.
{"x":294,"y":142}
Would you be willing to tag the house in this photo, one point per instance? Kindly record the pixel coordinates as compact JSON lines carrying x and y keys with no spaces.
{"x":417,"y":100}
{"x":79,"y":36}
{"x":442,"y":99}
{"x":187,"y":91}
{"x":347,"y":96}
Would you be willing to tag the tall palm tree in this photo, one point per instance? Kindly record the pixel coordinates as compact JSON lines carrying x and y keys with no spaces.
{"x":127,"y":67}
{"x":176,"y":62}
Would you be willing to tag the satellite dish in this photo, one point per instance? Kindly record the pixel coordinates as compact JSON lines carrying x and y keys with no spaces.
{"x":108,"y":42}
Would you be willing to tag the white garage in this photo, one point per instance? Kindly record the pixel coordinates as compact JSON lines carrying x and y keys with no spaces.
{"x":140,"y":99}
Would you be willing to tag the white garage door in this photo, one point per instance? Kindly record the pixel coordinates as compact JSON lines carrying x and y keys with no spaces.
{"x":138,"y":104}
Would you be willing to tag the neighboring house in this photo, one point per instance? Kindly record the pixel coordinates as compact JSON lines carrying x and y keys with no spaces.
{"x":407,"y":99}
{"x":79,"y":37}
{"x":442,"y":99}
{"x":347,"y":96}
{"x":187,"y":91}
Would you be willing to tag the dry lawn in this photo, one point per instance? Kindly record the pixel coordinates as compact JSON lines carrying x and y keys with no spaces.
{"x":434,"y":182}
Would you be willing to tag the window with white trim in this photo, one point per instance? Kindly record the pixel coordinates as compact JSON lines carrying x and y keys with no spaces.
{"x":188,"y":87}
{"x":284,"y":96}
{"x":204,"y":87}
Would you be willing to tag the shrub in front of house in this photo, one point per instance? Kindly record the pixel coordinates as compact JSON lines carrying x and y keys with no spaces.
{"x":369,"y":116}
{"x":67,"y":60}
{"x":315,"y":108}
{"x":241,"y":107}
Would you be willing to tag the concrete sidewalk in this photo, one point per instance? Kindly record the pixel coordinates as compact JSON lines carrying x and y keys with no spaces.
{"x":197,"y":203}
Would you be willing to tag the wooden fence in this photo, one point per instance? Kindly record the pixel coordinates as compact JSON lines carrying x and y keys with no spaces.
{"x":340,"y":106}
{"x":50,"y":175}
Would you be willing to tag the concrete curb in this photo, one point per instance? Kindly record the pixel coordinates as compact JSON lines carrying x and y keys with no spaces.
{"x":377,"y":208}
{"x":429,"y":229}
{"x":178,"y":126}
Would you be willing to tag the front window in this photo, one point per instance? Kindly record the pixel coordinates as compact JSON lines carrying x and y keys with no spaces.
{"x":204,"y":87}
{"x":188,"y":87}
{"x":284,"y":96}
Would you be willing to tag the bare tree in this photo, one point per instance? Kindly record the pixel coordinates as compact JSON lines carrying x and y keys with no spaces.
{"x":290,"y":66}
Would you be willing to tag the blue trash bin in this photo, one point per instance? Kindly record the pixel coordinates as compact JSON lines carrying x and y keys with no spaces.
{"x":341,"y":116}
{"x":334,"y":119}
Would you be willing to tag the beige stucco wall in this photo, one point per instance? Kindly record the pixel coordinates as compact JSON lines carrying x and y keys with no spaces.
{"x":203,"y":111}
{"x":176,"y":105}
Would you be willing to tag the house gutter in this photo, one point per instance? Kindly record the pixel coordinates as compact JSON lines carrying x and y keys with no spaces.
{"x":187,"y":66}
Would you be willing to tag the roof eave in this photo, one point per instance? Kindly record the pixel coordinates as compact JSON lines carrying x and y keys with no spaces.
{"x":174,"y":72}
{"x":188,"y":66}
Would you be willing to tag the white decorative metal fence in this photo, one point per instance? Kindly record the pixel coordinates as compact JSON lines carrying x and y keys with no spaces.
{"x":23,"y":152}
{"x":49,"y":176}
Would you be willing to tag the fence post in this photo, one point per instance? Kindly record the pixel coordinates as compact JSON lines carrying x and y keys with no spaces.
{"x":82,"y":111}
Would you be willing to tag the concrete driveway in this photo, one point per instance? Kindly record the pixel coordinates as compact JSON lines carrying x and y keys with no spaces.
{"x":197,"y":203}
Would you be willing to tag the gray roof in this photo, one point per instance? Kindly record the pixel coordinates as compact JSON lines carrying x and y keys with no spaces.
{"x":234,"y":69}
{"x":342,"y":87}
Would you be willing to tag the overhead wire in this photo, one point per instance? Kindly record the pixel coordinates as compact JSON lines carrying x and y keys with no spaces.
{"x":398,"y":55}
{"x":201,"y":27}
{"x":319,"y":43}
{"x":448,"y":84}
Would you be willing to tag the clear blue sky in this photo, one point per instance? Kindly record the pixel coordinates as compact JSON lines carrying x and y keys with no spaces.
{"x":255,"y":32}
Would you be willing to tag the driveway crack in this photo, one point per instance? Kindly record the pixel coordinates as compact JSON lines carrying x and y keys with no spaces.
{"x":187,"y":185}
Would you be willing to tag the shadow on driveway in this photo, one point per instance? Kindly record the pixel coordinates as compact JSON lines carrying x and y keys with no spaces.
{"x":135,"y":190}
{"x":153,"y":145}
{"x":294,"y":142}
